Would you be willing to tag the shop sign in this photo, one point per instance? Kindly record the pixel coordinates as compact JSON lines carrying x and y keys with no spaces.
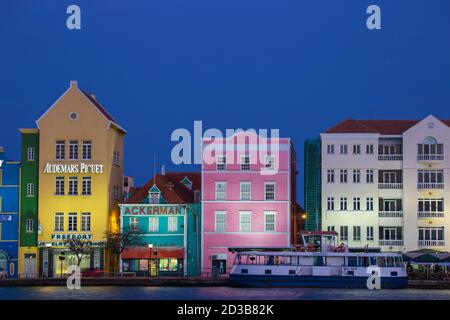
{"x":77,"y":236}
{"x":44,"y":244}
{"x":74,"y":168}
{"x":152,"y":210}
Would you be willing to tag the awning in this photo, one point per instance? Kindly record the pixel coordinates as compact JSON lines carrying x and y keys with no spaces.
{"x":157,"y":253}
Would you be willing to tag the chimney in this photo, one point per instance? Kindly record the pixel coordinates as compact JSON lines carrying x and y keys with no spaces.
{"x":93,"y":96}
{"x":163,"y":170}
{"x":73,"y":84}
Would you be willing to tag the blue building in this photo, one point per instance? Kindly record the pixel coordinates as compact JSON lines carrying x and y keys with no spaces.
{"x":9,"y":216}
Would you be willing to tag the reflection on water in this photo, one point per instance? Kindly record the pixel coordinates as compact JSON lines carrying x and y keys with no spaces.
{"x":214,"y":293}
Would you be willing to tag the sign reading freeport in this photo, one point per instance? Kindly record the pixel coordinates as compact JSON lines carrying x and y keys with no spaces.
{"x":74,"y":168}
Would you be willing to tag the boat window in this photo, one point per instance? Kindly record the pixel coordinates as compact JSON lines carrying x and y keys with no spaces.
{"x":318,"y":261}
{"x":381,"y":262}
{"x":291,"y":271}
{"x":245,"y":271}
{"x":364,"y":261}
{"x":352,"y":262}
{"x":271,"y":260}
{"x":373,"y":261}
{"x":390,"y":262}
{"x":267,"y":271}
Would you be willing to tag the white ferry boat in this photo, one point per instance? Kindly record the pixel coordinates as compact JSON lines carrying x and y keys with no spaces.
{"x":332,"y":266}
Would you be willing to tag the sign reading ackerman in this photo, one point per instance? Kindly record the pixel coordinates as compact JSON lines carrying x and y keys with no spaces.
{"x":151,"y":210}
{"x":73,"y":168}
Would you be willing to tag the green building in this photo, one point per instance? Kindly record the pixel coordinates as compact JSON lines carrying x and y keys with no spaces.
{"x":312,"y":184}
{"x":29,"y":223}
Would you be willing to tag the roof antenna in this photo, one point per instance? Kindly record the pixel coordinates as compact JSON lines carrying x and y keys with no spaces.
{"x":154,"y":169}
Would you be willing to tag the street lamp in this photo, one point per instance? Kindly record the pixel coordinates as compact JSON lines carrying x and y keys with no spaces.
{"x":150,"y":246}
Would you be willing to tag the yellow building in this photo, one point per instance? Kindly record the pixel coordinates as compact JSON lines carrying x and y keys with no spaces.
{"x":80,"y":180}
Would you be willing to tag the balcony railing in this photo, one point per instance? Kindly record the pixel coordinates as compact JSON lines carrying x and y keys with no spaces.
{"x":392,"y":243}
{"x":430,"y":185}
{"x":390,"y":214}
{"x":390,"y":157}
{"x":430,"y":214}
{"x":390,"y":185}
{"x":430,"y":157}
{"x":431,"y":243}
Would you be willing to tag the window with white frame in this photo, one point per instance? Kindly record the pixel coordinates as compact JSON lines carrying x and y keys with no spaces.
{"x":245,"y":163}
{"x":269,"y":163}
{"x":220,"y":221}
{"x":30,"y":189}
{"x":330,"y":228}
{"x":59,"y":186}
{"x":29,"y":225}
{"x":356,"y":203}
{"x":356,"y":149}
{"x":431,"y":233}
{"x":73,"y":150}
{"x":116,"y":157}
{"x":85,"y":221}
{"x":134,"y":223}
{"x":153,"y":224}
{"x":245,"y":191}
{"x":343,"y":204}
{"x":59,"y":221}
{"x":343,"y":149}
{"x":356,"y":233}
{"x":330,"y":176}
{"x":30,"y":154}
{"x":73,"y":222}
{"x":73,"y":186}
{"x":431,"y":205}
{"x":343,"y":234}
{"x":221,"y":163}
{"x":356,"y":176}
{"x":269,"y":221}
{"x":430,"y":176}
{"x":369,"y":233}
{"x":343,"y":176}
{"x":221,"y":190}
{"x":87,"y":186}
{"x":60,"y":150}
{"x":369,"y":176}
{"x":369,"y":149}
{"x":369,"y":204}
{"x":245,"y":221}
{"x":87,"y":150}
{"x":172,"y":224}
{"x":269,"y":191}
{"x":330,"y":204}
{"x":330,"y":149}
{"x":154,"y":197}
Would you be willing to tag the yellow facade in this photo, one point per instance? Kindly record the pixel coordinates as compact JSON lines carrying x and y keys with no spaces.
{"x":75,"y":119}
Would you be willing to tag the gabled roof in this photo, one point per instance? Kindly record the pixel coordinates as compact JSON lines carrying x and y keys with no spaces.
{"x":172,"y":190}
{"x":383,"y":127}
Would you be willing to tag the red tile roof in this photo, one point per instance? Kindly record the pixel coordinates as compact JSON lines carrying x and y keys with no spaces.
{"x":172,"y":190}
{"x":100,"y":107}
{"x":384,"y":127}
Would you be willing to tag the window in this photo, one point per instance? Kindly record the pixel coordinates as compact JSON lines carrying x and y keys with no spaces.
{"x":30,"y":189}
{"x":356,"y":233}
{"x":269,"y":163}
{"x":343,"y":204}
{"x":330,"y":176}
{"x":85,"y":221}
{"x":172,"y":224}
{"x":356,"y":204}
{"x":343,"y":235}
{"x":245,"y":163}
{"x":29,"y":225}
{"x":221,"y":221}
{"x":245,"y":222}
{"x":59,"y":221}
{"x":154,"y":197}
{"x":73,"y":222}
{"x":73,"y":150}
{"x":134,"y":223}
{"x":369,"y":176}
{"x":330,"y":228}
{"x":369,"y":233}
{"x":269,"y":221}
{"x":356,"y":149}
{"x":390,"y":233}
{"x":221,"y":190}
{"x":73,"y":186}
{"x":430,"y":150}
{"x":430,"y":233}
{"x":369,"y":149}
{"x":343,"y":149}
{"x":60,"y":150}
{"x":343,"y":176}
{"x":356,"y":176}
{"x":30,"y":154}
{"x":245,"y":191}
{"x":330,"y":149}
{"x":221,"y":163}
{"x":59,"y":186}
{"x":87,"y":186}
{"x":87,"y":150}
{"x":330,"y":204}
{"x":430,"y":176}
{"x":153,"y":224}
{"x":116,"y":157}
{"x":431,"y":205}
{"x":269,"y":191}
{"x":369,"y":204}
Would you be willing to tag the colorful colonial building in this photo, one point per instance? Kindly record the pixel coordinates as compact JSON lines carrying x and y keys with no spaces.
{"x":166,"y":212}
{"x":77,"y":171}
{"x":9,"y":215}
{"x":248,"y":197}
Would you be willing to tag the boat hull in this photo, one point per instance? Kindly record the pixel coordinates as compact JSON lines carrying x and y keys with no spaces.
{"x":315,"y":281}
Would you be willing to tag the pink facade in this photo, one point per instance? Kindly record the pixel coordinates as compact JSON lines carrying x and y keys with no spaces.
{"x":257,"y":215}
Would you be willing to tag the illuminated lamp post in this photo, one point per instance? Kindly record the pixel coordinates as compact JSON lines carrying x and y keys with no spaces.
{"x":150,"y":246}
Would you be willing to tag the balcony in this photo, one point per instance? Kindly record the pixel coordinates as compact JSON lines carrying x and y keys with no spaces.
{"x":430,"y":157}
{"x":430,"y":214}
{"x":391,"y":243}
{"x":390,"y":185}
{"x":390,"y":157}
{"x":390,"y":214}
{"x":430,"y":185}
{"x":431,"y":243}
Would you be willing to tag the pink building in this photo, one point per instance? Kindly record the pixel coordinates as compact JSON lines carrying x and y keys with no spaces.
{"x":248,"y":197}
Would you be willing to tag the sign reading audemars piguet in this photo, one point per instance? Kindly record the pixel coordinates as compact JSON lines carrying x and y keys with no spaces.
{"x":74,"y":168}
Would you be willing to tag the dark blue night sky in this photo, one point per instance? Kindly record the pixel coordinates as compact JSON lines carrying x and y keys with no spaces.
{"x":300,"y":66}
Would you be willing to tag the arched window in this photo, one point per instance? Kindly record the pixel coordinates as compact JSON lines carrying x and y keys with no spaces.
{"x":430,"y":149}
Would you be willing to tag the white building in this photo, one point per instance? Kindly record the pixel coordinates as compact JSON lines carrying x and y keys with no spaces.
{"x":386,"y":183}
